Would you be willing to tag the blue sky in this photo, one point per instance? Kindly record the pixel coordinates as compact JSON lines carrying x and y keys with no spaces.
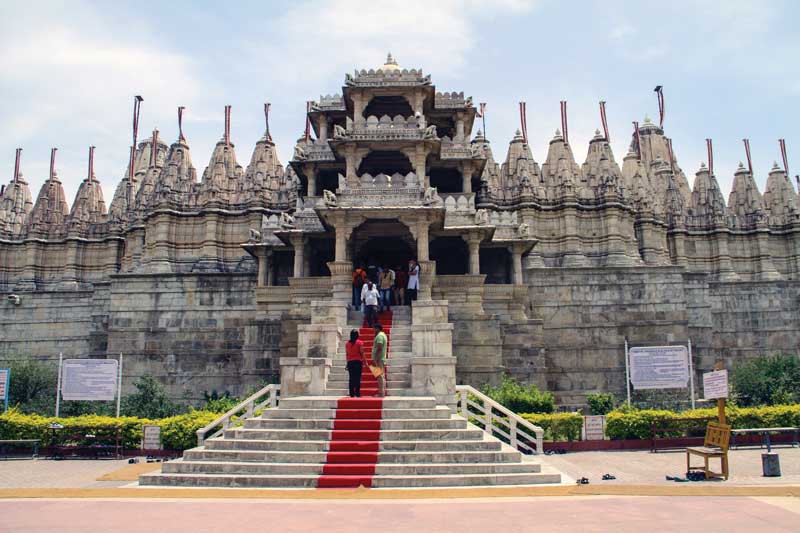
{"x":68,"y":71}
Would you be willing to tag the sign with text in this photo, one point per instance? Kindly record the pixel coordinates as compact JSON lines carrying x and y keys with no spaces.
{"x":594,"y":427}
{"x":5,"y":375}
{"x":89,"y":379}
{"x":715,"y":385}
{"x":659,"y":367}
{"x":151,"y":437}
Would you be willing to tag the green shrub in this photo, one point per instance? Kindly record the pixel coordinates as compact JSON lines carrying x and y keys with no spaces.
{"x":177,"y":432}
{"x":636,"y":424}
{"x":771,"y":380}
{"x":33,"y":386}
{"x":600,"y":403}
{"x":180,"y":432}
{"x":219,"y":403}
{"x":519,"y":398}
{"x":149,"y":401}
{"x":557,"y":426}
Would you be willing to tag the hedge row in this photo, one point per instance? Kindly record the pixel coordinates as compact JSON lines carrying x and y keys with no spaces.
{"x":177,"y":432}
{"x":636,"y":424}
{"x":557,"y":426}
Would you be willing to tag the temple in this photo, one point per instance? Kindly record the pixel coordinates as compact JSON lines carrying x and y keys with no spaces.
{"x":536,"y":270}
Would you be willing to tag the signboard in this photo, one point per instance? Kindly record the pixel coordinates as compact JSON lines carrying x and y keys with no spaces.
{"x":5,"y":379}
{"x":89,"y":379}
{"x":659,"y":367}
{"x":151,"y":437}
{"x":715,"y":384}
{"x":594,"y":427}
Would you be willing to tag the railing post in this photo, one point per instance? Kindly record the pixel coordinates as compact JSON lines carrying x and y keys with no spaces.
{"x":487,"y":408}
{"x":512,"y":422}
{"x":464,"y":406}
{"x":273,"y":397}
{"x":201,"y":434}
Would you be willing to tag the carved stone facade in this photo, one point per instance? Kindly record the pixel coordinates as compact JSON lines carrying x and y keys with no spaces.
{"x":540,"y":271}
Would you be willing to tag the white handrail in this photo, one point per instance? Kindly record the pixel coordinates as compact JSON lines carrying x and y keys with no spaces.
{"x":249,"y":406}
{"x":519,"y":432}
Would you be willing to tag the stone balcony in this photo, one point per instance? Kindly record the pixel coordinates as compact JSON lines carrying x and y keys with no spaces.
{"x":329,"y":102}
{"x":380,"y":190}
{"x":314,"y":153}
{"x":386,"y":128}
{"x":452,"y":100}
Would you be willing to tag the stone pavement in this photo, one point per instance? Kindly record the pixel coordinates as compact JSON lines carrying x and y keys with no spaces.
{"x":70,"y":473}
{"x":646,"y":468}
{"x":594,"y":513}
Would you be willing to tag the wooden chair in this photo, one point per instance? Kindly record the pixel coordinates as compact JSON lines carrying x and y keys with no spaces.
{"x":716,"y":443}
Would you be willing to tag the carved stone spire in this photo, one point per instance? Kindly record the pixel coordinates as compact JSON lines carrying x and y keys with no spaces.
{"x":177,"y":183}
{"x":707,"y":200}
{"x":745,"y":199}
{"x":780,"y":200}
{"x":15,"y":205}
{"x":119,"y":210}
{"x":156,"y":151}
{"x":560,"y":171}
{"x":89,"y":206}
{"x":49,"y":214}
{"x":600,"y":170}
{"x":263,"y":178}
{"x":222,"y":178}
{"x":520,"y":169}
{"x":655,"y":146}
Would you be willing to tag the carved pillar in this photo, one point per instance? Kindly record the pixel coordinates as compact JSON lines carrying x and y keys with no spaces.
{"x":341,"y":242}
{"x":323,"y":129}
{"x":358,"y":108}
{"x":466,"y":177}
{"x":298,"y":242}
{"x":422,"y":240}
{"x":311,"y":174}
{"x":420,"y":156}
{"x":350,"y":166}
{"x":264,"y":272}
{"x":516,"y":264}
{"x":459,"y":128}
{"x":474,"y":242}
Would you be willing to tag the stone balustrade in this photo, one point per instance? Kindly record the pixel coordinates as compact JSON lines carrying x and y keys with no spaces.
{"x":452,"y":100}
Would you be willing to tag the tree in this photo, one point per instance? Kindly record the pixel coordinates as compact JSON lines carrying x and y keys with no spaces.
{"x":149,"y":401}
{"x":33,"y":386}
{"x":767,"y":380}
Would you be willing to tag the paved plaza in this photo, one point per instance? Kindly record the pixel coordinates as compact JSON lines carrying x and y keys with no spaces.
{"x":593,"y":513}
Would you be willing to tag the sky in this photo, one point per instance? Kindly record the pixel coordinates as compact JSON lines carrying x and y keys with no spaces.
{"x":69,"y":71}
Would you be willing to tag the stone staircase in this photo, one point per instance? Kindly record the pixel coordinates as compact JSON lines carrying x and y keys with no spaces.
{"x":337,"y":442}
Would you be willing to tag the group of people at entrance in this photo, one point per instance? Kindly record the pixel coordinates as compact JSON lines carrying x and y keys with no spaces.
{"x":375,"y":288}
{"x":357,"y":359}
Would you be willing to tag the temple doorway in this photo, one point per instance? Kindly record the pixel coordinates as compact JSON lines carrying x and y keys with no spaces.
{"x":383,"y":242}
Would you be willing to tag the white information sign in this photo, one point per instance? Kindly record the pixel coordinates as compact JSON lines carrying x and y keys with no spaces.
{"x":89,"y":379}
{"x":151,"y":437}
{"x":715,"y":384}
{"x":659,"y":367}
{"x":4,"y":372}
{"x":594,"y":427}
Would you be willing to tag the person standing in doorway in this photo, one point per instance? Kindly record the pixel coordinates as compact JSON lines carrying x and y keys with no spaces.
{"x":372,"y":271}
{"x":400,"y":282}
{"x":385,"y":284}
{"x":359,"y":277}
{"x":370,"y":297}
{"x":356,"y":360}
{"x":379,"y":346}
{"x":413,"y":280}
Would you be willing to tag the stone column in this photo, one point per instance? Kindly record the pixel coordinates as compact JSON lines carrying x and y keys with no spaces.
{"x":516,"y":263}
{"x":474,"y":242}
{"x":350,"y":166}
{"x":298,"y":242}
{"x":466,"y":177}
{"x":323,"y":129}
{"x":311,"y":174}
{"x":459,"y":128}
{"x":341,"y":243}
{"x":419,"y":166}
{"x":422,"y":240}
{"x":264,"y":277}
{"x":358,"y":108}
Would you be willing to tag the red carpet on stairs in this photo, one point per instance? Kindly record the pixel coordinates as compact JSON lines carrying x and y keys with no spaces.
{"x":355,"y":441}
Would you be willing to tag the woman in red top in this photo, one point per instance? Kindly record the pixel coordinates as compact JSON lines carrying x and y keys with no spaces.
{"x":354,"y":349}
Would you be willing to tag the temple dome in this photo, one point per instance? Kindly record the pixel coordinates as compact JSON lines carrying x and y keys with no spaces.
{"x":390,"y":64}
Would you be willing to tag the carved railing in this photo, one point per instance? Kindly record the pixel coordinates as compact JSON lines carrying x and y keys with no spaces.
{"x":498,"y":421}
{"x":452,"y":100}
{"x":266,"y":397}
{"x":383,"y":78}
{"x":329,"y":102}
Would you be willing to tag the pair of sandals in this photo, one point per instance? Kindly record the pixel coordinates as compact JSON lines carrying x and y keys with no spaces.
{"x":585,"y":481}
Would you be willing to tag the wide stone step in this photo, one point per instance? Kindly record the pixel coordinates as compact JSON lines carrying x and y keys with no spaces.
{"x":455,"y":422}
{"x":438,"y":412}
{"x":354,"y":434}
{"x":229,"y":443}
{"x":310,"y":480}
{"x":230,"y":467}
{"x":322,"y":402}
{"x":394,"y":457}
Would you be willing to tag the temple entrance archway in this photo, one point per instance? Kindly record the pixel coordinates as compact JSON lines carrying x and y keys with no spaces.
{"x":381,"y":242}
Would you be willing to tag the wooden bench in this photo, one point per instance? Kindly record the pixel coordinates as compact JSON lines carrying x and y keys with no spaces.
{"x":718,"y":437}
{"x":765,"y":433}
{"x":4,"y":445}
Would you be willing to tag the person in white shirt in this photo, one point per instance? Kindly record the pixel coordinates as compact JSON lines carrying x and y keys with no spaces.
{"x":370,"y":297}
{"x":413,"y":279}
